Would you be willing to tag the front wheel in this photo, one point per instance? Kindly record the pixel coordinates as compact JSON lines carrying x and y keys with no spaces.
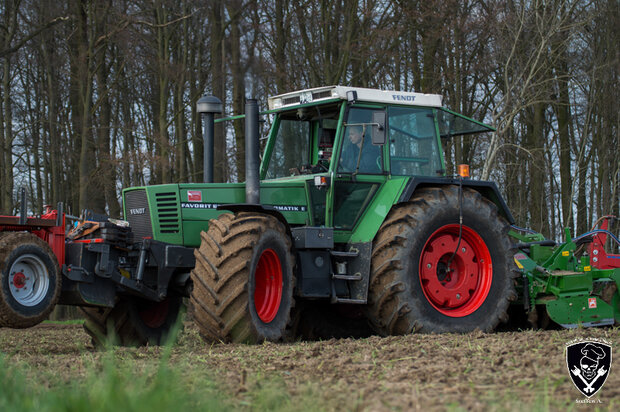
{"x":133,"y":321}
{"x":430,"y":274}
{"x":30,"y":280}
{"x":243,"y":280}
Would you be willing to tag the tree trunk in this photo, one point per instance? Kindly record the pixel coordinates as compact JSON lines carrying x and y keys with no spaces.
{"x":218,"y":80}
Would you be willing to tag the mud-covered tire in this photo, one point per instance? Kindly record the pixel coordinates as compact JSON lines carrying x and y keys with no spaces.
{"x":409,"y":289}
{"x":244,"y":280}
{"x":133,"y":321}
{"x":30,"y":280}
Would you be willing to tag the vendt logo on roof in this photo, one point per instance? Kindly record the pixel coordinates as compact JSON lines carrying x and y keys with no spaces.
{"x":403,"y":98}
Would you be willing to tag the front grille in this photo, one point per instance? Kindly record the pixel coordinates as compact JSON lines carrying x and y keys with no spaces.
{"x":290,"y":100}
{"x":137,"y":213}
{"x":321,"y":95}
{"x":168,"y":212}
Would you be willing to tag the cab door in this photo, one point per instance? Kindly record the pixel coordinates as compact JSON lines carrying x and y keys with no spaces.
{"x":359,"y":170}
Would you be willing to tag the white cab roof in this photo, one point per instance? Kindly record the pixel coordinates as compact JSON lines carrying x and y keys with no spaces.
{"x":363,"y":95}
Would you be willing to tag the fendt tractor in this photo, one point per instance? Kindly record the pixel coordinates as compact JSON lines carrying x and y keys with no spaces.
{"x":350,"y":207}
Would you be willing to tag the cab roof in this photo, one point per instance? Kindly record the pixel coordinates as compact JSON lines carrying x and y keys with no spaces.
{"x":353,"y":94}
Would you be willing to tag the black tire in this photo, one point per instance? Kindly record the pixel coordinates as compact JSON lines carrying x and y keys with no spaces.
{"x":406,"y":296}
{"x":30,"y":280}
{"x":224,"y":300}
{"x":133,"y":321}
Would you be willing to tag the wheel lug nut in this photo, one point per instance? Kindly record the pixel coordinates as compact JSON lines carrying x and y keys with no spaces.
{"x":429,"y":265}
{"x":463,"y":250}
{"x":458,"y":295}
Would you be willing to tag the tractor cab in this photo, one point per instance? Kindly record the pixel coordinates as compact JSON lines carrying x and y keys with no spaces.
{"x":313,"y":131}
{"x":347,"y":143}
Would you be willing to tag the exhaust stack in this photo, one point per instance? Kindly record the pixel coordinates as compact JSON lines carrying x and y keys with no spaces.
{"x":208,"y":107}
{"x":252,"y":179}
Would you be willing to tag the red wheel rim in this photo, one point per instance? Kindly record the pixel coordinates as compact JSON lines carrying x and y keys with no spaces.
{"x":463,"y":289}
{"x":268,"y":285}
{"x":154,"y":315}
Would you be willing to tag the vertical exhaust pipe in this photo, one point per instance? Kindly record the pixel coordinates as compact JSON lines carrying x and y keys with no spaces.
{"x":252,"y":179}
{"x":208,"y":107}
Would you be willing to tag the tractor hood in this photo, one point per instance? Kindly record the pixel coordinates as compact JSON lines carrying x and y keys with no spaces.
{"x":177,"y":213}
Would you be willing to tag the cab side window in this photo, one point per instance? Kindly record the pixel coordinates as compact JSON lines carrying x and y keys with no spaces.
{"x":413,"y":142}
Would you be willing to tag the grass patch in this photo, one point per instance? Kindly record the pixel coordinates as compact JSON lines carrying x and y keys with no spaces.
{"x":64,"y":322}
{"x":111,"y":385}
{"x":114,"y":384}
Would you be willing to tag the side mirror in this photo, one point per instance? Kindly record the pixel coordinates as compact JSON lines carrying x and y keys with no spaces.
{"x":378,"y":128}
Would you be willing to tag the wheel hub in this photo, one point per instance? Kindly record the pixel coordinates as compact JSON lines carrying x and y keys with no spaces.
{"x":19,"y":280}
{"x":29,"y":281}
{"x":456,"y":284}
{"x":155,"y":314}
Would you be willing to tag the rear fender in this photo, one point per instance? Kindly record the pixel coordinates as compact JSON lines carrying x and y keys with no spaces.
{"x":487,"y":189}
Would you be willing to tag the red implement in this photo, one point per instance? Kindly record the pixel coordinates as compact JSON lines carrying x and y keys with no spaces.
{"x":599,"y":258}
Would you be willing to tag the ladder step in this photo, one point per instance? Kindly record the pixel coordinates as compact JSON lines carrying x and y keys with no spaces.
{"x":336,"y":253}
{"x":348,"y":277}
{"x":352,"y":301}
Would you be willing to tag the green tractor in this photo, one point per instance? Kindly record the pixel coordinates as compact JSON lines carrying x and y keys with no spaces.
{"x":350,"y":206}
{"x":349,"y":221}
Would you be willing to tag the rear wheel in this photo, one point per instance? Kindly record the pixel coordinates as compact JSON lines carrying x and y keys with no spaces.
{"x":133,"y":321}
{"x":419,"y":283}
{"x":243,"y":280}
{"x":30,"y":281}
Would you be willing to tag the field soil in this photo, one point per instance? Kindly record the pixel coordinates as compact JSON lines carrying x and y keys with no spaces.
{"x":503,"y":370}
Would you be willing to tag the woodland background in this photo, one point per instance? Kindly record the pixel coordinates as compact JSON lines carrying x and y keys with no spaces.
{"x":100,"y":95}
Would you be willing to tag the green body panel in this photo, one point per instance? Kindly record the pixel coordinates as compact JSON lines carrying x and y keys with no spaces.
{"x":374,"y":215}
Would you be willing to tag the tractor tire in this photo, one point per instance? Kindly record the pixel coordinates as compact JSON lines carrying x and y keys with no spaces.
{"x":30,"y":280}
{"x":133,"y":322}
{"x":410,"y":289}
{"x":243,"y":280}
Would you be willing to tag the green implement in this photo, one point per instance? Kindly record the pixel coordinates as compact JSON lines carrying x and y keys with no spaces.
{"x":567,"y":281}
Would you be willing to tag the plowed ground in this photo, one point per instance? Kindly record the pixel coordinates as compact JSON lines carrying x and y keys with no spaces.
{"x":504,"y":370}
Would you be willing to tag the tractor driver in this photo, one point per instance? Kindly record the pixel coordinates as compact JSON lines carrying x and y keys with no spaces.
{"x":359,"y":140}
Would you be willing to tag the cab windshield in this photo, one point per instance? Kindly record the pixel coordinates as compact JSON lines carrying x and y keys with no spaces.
{"x":303,"y":142}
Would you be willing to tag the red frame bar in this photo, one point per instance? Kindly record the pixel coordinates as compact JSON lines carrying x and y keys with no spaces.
{"x":44,"y":228}
{"x":599,"y":258}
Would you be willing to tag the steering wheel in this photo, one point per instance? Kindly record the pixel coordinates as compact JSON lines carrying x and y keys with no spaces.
{"x":323,"y":164}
